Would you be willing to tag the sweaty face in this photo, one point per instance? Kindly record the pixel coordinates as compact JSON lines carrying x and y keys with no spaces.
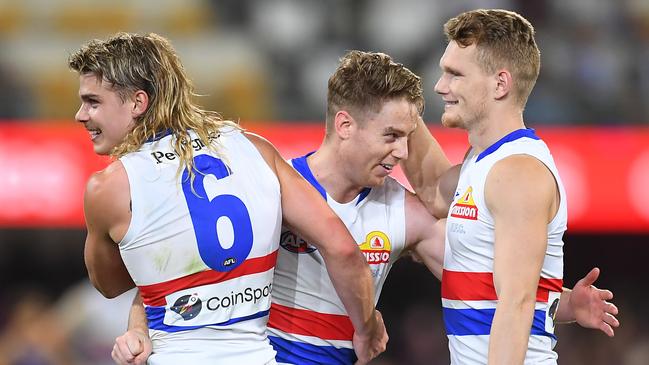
{"x":102,"y":112}
{"x":380,"y":141}
{"x":463,"y":86}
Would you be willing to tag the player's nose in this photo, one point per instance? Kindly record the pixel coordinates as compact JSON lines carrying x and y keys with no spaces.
{"x":401,"y":149}
{"x":81,"y":115}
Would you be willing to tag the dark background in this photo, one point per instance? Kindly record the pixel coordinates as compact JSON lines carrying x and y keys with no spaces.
{"x":49,"y":262}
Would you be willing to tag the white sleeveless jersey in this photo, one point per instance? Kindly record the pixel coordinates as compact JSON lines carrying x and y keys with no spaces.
{"x":203,"y":258}
{"x":308,"y":322}
{"x":468,"y":294}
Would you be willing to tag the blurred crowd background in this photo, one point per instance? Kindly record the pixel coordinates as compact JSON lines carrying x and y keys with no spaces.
{"x":269,"y":60}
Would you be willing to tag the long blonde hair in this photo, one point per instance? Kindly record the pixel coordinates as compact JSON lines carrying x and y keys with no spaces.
{"x":132,"y":62}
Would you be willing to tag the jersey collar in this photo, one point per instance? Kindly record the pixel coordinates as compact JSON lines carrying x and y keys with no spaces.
{"x":302,"y":166}
{"x":517,"y":134}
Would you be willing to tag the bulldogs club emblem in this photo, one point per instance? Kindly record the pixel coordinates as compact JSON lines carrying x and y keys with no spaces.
{"x":292,"y":242}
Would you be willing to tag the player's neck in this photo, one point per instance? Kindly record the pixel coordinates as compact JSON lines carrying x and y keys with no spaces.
{"x":490,"y":130}
{"x":330,"y":169}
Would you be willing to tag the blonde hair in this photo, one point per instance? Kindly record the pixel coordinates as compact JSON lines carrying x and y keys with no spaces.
{"x":366,"y":80}
{"x":132,"y":62}
{"x":503,"y":38}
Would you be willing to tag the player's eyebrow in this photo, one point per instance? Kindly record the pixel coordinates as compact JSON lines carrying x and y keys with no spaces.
{"x":388,"y":130}
{"x":89,"y":96}
{"x":451,"y":70}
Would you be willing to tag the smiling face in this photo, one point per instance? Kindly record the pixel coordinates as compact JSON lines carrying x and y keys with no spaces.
{"x":379,"y":141}
{"x":464,"y":87}
{"x":107,"y":118}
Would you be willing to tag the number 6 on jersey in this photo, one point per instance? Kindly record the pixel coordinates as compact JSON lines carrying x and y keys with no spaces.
{"x":205,"y":214}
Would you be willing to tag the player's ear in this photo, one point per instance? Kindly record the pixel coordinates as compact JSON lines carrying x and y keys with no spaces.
{"x":140,"y":103}
{"x":504,"y":84}
{"x":344,"y":124}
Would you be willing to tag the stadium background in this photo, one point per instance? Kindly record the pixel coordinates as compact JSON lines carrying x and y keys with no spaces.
{"x":266,"y":63}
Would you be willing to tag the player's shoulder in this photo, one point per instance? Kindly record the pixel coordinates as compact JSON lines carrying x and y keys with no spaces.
{"x":109,"y":181}
{"x":518,"y":168}
{"x":266,"y":149}
{"x":257,"y":140}
{"x":517,"y":177}
{"x":415,"y":207}
{"x":107,"y":196}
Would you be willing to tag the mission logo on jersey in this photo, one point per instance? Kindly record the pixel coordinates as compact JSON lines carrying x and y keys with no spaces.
{"x":465,"y":208}
{"x":376,"y":248}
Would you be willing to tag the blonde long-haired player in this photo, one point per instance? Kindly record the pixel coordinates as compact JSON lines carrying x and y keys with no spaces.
{"x":191,"y":212}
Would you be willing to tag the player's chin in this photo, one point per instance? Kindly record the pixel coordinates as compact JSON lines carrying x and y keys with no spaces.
{"x":99,"y":150}
{"x":377,"y":180}
{"x":102,"y":148}
{"x":450,"y":120}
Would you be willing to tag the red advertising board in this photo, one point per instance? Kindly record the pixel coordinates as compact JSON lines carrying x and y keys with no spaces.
{"x":44,"y":167}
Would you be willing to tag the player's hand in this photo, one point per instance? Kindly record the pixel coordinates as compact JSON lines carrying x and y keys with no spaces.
{"x":132,"y":348}
{"x":591,"y":307}
{"x":373,"y":343}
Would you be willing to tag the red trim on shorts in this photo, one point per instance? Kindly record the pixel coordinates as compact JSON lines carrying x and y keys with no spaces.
{"x":458,"y":285}
{"x":155,"y":294}
{"x":309,"y":323}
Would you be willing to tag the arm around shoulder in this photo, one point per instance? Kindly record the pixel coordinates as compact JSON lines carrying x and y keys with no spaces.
{"x":305,"y":212}
{"x":425,"y":165}
{"x":445,"y":192}
{"x":425,"y":235}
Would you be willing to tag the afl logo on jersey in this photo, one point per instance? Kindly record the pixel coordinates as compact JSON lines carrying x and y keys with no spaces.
{"x":188,"y":306}
{"x":465,"y":207}
{"x":229,"y":261}
{"x":292,"y":242}
{"x":376,"y":248}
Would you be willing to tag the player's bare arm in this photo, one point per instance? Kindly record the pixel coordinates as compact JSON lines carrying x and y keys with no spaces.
{"x":307,"y":214}
{"x":424,"y":235}
{"x":522,"y":195}
{"x":425,"y":164}
{"x":446,"y":186}
{"x":107,"y":212}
